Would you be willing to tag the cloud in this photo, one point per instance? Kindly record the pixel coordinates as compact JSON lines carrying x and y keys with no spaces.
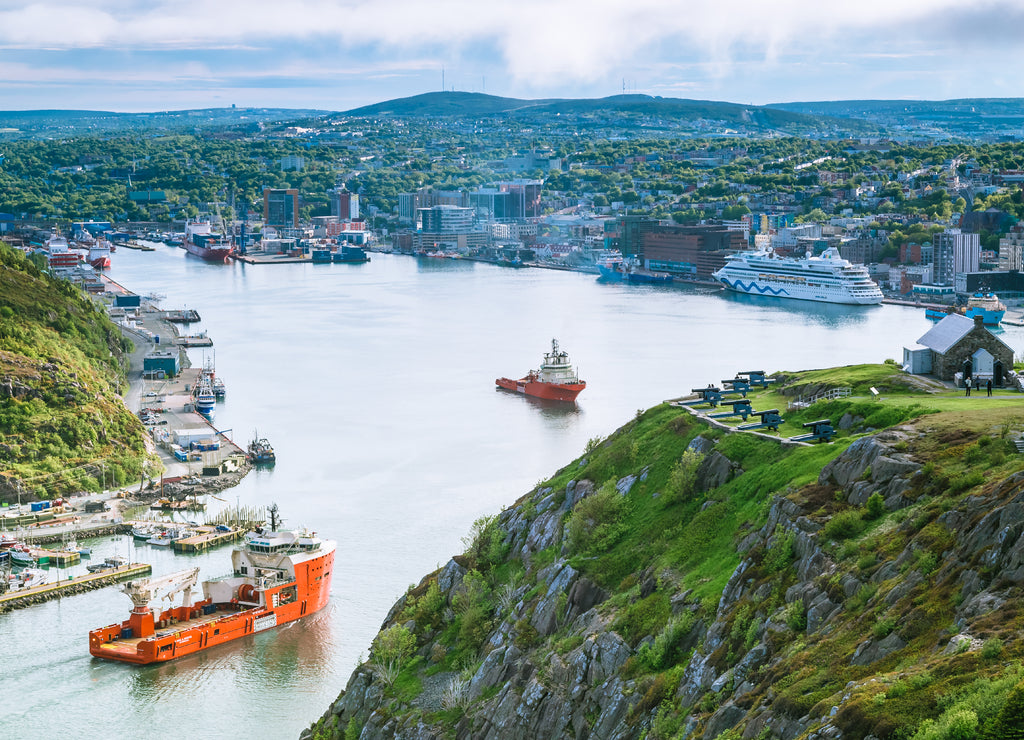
{"x":563,"y":47}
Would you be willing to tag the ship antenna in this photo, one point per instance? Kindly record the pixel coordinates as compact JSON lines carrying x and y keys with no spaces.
{"x":274,"y":521}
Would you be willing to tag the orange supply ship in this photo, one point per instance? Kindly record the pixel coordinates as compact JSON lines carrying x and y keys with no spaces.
{"x":555,"y":381}
{"x":277,"y":577}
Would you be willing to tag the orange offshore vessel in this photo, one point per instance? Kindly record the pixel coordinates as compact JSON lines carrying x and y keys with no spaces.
{"x":277,"y":577}
{"x":555,"y":381}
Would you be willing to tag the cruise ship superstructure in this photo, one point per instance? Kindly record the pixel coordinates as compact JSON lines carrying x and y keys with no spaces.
{"x":828,"y":278}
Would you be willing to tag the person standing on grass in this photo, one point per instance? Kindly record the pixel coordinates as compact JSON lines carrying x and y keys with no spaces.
{"x":967,"y":385}
{"x":988,"y":386}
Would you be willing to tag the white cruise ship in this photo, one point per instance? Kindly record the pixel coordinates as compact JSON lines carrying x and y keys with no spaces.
{"x":828,"y":278}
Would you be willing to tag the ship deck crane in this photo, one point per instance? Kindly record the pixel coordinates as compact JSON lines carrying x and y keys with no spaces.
{"x":144,"y":590}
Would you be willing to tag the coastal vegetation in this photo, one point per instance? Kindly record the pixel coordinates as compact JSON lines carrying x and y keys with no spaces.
{"x":684,"y":580}
{"x":63,"y":424}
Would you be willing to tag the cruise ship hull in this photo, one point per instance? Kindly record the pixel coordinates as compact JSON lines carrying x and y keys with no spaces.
{"x":825,"y":279}
{"x":779,"y":291}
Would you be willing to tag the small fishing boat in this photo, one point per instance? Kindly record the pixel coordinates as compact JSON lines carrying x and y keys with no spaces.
{"x":108,"y":563}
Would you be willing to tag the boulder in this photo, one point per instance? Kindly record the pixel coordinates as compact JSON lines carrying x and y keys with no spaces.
{"x":870,"y":651}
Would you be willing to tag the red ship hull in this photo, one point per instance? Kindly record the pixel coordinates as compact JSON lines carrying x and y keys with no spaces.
{"x":101,"y":263}
{"x":210,"y":255}
{"x":537,"y":389}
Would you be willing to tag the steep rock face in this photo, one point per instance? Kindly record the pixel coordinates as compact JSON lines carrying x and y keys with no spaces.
{"x":555,"y":666}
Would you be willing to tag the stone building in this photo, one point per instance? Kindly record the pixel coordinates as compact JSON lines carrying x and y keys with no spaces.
{"x":958,"y":347}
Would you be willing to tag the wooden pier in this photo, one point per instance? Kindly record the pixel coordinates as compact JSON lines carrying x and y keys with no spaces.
{"x":72,"y":586}
{"x":206,"y":536}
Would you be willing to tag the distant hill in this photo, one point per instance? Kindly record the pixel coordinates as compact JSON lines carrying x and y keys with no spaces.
{"x":35,"y":123}
{"x":965,"y":117}
{"x":465,"y":104}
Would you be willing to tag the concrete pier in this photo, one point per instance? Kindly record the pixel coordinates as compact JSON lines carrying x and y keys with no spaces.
{"x":71,"y":586}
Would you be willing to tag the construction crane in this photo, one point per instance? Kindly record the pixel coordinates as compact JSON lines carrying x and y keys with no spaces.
{"x":145,"y":590}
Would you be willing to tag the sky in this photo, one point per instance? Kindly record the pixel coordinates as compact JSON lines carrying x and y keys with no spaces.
{"x":134,"y":55}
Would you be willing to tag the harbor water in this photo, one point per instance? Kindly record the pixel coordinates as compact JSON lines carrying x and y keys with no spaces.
{"x":375,"y":384}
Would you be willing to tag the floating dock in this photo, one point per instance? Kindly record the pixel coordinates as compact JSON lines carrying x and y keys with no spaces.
{"x":72,"y":586}
{"x":181,"y":316}
{"x":195,"y":341}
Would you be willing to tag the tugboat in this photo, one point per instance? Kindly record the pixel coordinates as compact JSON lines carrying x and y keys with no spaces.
{"x":260,"y":451}
{"x":276,"y":577}
{"x":555,"y":381}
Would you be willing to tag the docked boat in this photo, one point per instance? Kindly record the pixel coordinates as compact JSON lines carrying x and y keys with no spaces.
{"x":110,"y":563}
{"x":350,"y":254}
{"x":260,"y":452}
{"x":163,"y":538}
{"x":60,"y":254}
{"x":986,"y":304}
{"x":201,"y":241}
{"x":21,"y":555}
{"x":828,"y":278}
{"x":96,"y":252}
{"x":142,"y":532}
{"x":618,"y":271}
{"x":205,"y":398}
{"x":26,"y":578}
{"x":276,"y":577}
{"x":555,"y":381}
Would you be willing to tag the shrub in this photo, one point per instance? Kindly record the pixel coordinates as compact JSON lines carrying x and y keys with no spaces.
{"x":644,"y":617}
{"x":682,"y":480}
{"x":780,"y":552}
{"x":430,"y":606}
{"x":664,"y":651}
{"x":795,"y":616}
{"x":883,"y":627}
{"x":596,"y":521}
{"x":875,"y":506}
{"x":390,"y":650}
{"x":992,"y":648}
{"x":961,"y":724}
{"x":844,"y":525}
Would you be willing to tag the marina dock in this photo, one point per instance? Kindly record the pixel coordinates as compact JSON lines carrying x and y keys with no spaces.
{"x":72,"y":586}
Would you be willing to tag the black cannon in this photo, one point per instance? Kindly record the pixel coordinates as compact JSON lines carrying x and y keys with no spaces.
{"x":821,"y":431}
{"x":740,"y":407}
{"x":769,"y":419}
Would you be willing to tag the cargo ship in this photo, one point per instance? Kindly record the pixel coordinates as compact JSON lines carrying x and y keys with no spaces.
{"x":986,"y":304}
{"x":277,"y":577}
{"x":202,"y":242}
{"x":555,"y":381}
{"x":983,"y":303}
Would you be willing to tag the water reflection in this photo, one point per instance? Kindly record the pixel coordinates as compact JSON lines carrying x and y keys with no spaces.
{"x":831,"y":315}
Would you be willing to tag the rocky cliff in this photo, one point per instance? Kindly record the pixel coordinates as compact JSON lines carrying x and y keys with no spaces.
{"x":678,"y":582}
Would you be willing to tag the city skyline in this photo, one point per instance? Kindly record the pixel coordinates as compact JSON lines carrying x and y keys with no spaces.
{"x":125,"y":55}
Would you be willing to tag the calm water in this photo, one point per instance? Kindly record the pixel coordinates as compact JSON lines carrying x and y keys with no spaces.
{"x":375,"y":385}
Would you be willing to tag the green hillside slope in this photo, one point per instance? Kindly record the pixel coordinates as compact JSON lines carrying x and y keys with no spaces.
{"x":682,"y":579}
{"x":63,"y":424}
